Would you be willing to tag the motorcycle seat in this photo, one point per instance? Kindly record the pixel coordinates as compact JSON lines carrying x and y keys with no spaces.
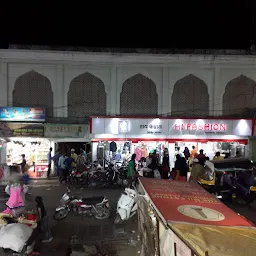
{"x":93,"y":200}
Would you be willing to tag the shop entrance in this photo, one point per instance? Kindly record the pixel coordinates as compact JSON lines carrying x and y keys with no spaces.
{"x":67,"y":146}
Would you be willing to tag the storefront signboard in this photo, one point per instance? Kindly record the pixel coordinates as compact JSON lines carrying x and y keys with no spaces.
{"x":188,"y":202}
{"x":129,"y":126}
{"x":21,"y":130}
{"x":240,"y":127}
{"x":66,"y":131}
{"x":176,"y":127}
{"x":22,"y":114}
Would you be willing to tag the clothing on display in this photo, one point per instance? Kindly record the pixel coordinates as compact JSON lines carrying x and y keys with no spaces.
{"x":113,"y":146}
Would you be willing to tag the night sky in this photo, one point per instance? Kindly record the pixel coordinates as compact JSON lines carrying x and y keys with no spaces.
{"x":175,"y":24}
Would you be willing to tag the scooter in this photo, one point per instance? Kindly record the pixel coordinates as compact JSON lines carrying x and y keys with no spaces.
{"x":127,"y":205}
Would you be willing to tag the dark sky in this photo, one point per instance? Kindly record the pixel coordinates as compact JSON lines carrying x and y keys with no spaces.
{"x":175,"y":24}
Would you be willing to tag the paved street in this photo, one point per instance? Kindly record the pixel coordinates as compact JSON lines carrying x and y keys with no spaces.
{"x":120,"y":239}
{"x":86,"y":229}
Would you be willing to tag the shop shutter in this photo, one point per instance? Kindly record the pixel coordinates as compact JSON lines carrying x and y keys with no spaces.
{"x":139,"y":97}
{"x":86,"y":97}
{"x":33,"y":90}
{"x":239,"y":96}
{"x":190,"y":97}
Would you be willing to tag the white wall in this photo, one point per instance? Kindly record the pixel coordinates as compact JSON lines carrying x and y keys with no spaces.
{"x":113,"y":69}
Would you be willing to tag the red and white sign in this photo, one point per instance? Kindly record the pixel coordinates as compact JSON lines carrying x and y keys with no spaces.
{"x":170,"y":127}
{"x":188,"y":202}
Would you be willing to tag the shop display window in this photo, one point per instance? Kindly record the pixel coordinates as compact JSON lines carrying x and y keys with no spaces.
{"x":35,"y":151}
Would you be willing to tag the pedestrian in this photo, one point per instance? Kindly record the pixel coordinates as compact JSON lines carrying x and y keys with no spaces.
{"x":165,"y":170}
{"x":62,"y":166}
{"x":49,"y":159}
{"x":23,"y":164}
{"x":68,"y":163}
{"x":55,"y":159}
{"x":186,"y":153}
{"x":197,"y":170}
{"x":193,"y":152}
{"x":74,"y":156}
{"x":131,"y":170}
{"x":46,"y":234}
{"x":218,"y":156}
{"x":201,"y":157}
{"x":181,"y":168}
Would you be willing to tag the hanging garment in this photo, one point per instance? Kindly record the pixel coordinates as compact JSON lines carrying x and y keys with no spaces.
{"x":15,"y":199}
{"x":138,"y":154}
{"x":113,"y":146}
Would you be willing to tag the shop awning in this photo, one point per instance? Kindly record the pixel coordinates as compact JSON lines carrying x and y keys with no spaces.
{"x":218,"y":241}
{"x":188,"y":202}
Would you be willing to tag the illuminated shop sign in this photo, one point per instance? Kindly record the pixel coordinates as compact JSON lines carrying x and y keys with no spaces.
{"x":170,"y":127}
{"x":200,"y":127}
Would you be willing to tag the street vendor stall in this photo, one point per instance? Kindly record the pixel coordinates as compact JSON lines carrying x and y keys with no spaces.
{"x":179,"y":219}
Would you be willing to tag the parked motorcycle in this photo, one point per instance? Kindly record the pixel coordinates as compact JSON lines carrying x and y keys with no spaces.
{"x":97,"y":207}
{"x":126,"y":205}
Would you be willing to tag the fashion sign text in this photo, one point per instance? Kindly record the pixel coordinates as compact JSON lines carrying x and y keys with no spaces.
{"x":200,"y":127}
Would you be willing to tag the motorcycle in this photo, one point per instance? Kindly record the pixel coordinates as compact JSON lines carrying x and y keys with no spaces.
{"x":127,"y":205}
{"x":97,"y":207}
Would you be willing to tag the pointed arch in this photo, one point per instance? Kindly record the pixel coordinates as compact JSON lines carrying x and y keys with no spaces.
{"x":190,"y":97}
{"x":139,"y":96}
{"x":86,"y":96}
{"x":33,"y":90}
{"x":239,"y":96}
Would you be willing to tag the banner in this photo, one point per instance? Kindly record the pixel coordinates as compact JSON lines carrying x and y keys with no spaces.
{"x":22,"y":114}
{"x":188,"y":202}
{"x":21,"y":130}
{"x":171,"y":127}
{"x":66,"y":131}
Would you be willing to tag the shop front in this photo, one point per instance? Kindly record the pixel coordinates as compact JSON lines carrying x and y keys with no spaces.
{"x":27,"y":138}
{"x":23,"y":129}
{"x":143,"y":135}
{"x":68,"y":136}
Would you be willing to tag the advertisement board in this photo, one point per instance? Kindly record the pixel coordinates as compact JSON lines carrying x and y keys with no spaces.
{"x":22,"y":114}
{"x":171,"y":127}
{"x":188,"y":202}
{"x":21,"y":130}
{"x":66,"y":131}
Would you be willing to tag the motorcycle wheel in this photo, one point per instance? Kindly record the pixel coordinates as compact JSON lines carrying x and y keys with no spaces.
{"x":102,"y":213}
{"x":61,"y":214}
{"x":118,"y":219}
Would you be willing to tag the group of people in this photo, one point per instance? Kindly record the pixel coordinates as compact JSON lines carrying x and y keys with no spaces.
{"x":183,"y":163}
{"x":64,"y":162}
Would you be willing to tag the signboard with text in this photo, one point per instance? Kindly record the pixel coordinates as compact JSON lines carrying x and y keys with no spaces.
{"x":66,"y":131}
{"x":22,"y":114}
{"x":169,"y":127}
{"x":21,"y":130}
{"x":188,"y":202}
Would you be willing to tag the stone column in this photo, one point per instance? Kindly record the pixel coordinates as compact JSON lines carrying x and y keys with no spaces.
{"x":165,"y":107}
{"x":5,"y":99}
{"x":60,"y":97}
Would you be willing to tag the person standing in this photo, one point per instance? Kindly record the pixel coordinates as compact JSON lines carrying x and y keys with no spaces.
{"x":165,"y":170}
{"x":49,"y":159}
{"x":74,"y":156}
{"x":23,"y":163}
{"x":62,"y":166}
{"x":131,"y":170}
{"x":55,"y":159}
{"x":43,"y":220}
{"x":186,"y":153}
{"x":193,"y":152}
{"x":201,"y":157}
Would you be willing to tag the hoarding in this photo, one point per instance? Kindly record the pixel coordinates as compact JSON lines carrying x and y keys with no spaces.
{"x":22,"y":114}
{"x":188,"y":202}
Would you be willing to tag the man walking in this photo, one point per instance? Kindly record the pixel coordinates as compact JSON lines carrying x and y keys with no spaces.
{"x":49,"y":158}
